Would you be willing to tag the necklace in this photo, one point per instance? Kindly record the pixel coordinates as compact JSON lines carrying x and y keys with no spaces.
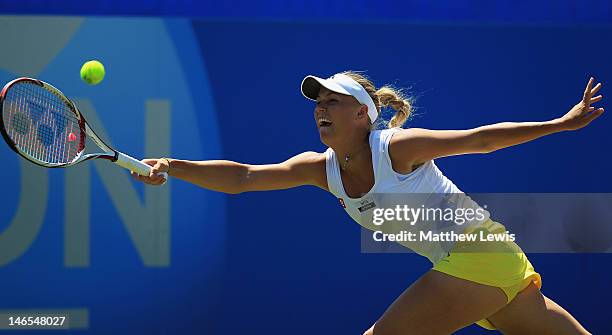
{"x":346,"y":162}
{"x":348,"y":157}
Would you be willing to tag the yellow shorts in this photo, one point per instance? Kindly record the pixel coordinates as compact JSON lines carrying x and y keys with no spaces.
{"x":501,"y":264}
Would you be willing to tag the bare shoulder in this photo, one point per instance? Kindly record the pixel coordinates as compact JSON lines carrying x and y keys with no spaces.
{"x":403,"y":149}
{"x":311,"y":166}
{"x":404,"y":136}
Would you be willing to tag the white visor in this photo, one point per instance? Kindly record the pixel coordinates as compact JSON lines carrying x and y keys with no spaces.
{"x":343,"y":84}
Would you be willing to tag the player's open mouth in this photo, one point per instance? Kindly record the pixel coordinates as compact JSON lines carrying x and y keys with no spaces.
{"x":323,"y":122}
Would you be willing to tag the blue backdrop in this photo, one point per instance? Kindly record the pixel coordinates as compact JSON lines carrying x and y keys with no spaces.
{"x":283,"y":262}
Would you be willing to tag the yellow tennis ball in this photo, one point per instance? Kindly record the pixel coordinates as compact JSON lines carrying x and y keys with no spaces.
{"x":92,"y":72}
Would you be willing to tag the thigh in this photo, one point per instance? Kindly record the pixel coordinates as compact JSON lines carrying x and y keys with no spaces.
{"x":438,"y":303}
{"x":533,"y":313}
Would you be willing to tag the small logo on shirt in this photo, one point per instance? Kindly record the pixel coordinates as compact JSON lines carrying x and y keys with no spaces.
{"x":342,"y":202}
{"x":367,"y":206}
{"x":366,"y":203}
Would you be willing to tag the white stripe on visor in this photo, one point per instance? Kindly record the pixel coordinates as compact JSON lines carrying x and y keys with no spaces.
{"x":343,"y":84}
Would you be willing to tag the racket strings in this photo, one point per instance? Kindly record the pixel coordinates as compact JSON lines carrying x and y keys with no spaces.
{"x":41,"y":124}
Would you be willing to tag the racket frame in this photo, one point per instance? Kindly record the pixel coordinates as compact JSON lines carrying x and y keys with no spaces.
{"x":109,"y":154}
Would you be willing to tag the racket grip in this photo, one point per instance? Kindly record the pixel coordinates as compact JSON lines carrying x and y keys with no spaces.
{"x":135,"y":165}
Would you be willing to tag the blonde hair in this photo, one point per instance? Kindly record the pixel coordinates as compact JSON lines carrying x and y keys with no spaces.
{"x":386,"y":96}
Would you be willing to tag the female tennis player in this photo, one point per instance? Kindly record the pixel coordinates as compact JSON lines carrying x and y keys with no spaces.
{"x":497,"y":290}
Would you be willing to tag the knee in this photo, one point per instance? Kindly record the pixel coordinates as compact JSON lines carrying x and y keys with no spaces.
{"x":382,"y":328}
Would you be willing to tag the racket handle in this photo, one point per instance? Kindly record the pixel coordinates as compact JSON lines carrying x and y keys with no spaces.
{"x":135,"y":165}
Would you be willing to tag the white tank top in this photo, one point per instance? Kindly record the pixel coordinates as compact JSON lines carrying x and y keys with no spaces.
{"x":425,"y":185}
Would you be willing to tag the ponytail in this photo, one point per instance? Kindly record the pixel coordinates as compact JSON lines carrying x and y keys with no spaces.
{"x":388,"y":96}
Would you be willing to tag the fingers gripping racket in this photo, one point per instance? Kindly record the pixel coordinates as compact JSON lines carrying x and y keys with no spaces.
{"x":45,"y":127}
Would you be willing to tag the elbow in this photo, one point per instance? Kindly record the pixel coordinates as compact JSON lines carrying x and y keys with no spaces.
{"x":230,"y":179}
{"x":491,"y":146}
{"x":233,"y":191}
{"x":487,"y":148}
{"x":241,"y":181}
{"x":485,"y":145}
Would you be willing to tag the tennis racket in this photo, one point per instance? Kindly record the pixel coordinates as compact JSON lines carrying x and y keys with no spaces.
{"x":45,"y":127}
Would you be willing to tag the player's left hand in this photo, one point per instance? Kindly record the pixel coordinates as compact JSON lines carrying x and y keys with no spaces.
{"x":583,"y":113}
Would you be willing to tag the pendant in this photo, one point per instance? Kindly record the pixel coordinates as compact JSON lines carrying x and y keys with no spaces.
{"x":346,"y":160}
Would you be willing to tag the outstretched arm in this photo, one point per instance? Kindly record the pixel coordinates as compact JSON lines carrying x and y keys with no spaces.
{"x":307,"y":168}
{"x":411,"y":147}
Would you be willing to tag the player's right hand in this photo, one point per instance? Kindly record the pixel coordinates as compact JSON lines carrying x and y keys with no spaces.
{"x":159,"y":166}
